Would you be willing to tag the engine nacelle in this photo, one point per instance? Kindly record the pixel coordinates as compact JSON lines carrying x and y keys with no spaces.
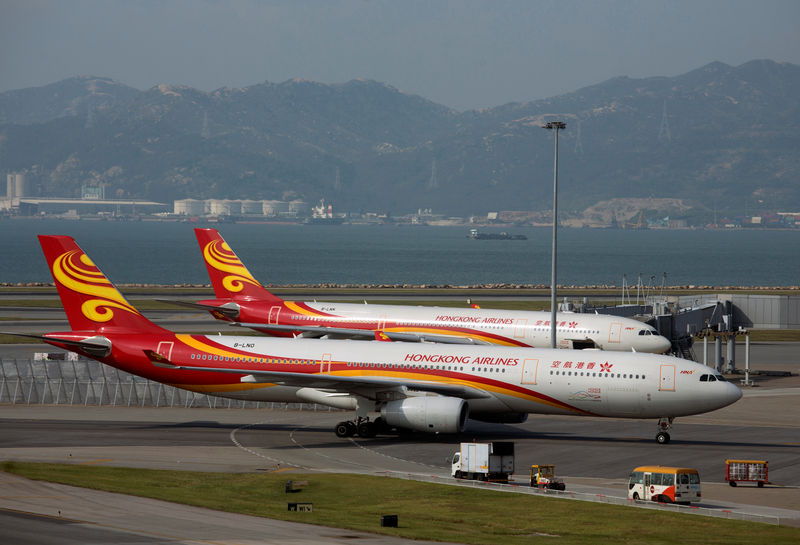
{"x":431,"y":414}
{"x":500,"y":418}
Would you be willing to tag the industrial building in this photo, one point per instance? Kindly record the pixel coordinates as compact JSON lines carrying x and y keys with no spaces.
{"x":18,"y":202}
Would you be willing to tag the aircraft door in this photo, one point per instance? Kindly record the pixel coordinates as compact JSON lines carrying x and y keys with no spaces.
{"x":520,"y":325}
{"x":529,"y":370}
{"x":667,"y":378}
{"x":165,"y":349}
{"x":274,"y":312}
{"x":615,"y":332}
{"x":325,"y":364}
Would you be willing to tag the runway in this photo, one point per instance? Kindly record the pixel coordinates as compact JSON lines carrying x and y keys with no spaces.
{"x":592,"y":455}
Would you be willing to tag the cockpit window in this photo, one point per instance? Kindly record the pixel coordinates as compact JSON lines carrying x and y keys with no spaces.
{"x":710,"y":378}
{"x":645,"y":332}
{"x":720,"y":378}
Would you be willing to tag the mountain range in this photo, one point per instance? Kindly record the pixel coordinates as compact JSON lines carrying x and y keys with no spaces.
{"x":719,"y":138}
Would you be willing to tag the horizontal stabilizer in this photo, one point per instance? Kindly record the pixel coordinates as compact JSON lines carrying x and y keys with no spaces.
{"x":229,"y":310}
{"x":97,"y":346}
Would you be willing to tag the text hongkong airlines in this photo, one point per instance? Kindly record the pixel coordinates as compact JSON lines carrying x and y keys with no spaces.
{"x":241,"y":300}
{"x":389,"y":386}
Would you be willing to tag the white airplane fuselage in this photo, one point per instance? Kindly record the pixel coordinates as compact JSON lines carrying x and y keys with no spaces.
{"x":492,"y":326}
{"x":493,"y":380}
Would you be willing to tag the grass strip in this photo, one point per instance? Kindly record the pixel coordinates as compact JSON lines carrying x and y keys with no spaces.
{"x":426,"y":511}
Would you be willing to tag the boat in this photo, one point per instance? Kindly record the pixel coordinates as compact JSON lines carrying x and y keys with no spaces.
{"x":477,"y":235}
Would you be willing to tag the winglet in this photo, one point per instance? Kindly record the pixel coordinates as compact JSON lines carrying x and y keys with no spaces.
{"x":158,"y":360}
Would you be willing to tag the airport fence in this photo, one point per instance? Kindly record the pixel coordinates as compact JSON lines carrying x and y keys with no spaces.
{"x":596,"y":498}
{"x":80,"y":381}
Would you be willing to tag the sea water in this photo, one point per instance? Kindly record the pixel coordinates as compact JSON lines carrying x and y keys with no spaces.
{"x":155,"y":252}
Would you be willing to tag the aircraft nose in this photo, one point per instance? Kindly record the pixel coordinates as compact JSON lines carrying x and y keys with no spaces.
{"x":731,"y":394}
{"x":662,"y":344}
{"x":736,"y":393}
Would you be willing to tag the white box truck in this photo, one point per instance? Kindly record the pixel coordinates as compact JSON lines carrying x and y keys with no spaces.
{"x":484,"y":461}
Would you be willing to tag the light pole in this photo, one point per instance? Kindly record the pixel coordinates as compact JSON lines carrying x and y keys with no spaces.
{"x":553,"y":304}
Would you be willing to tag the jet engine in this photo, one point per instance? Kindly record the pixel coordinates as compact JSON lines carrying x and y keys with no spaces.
{"x":424,"y":413}
{"x":500,"y":418}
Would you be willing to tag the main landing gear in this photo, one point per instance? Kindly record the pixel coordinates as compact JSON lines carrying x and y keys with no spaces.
{"x":363,"y":427}
{"x":664,"y":425}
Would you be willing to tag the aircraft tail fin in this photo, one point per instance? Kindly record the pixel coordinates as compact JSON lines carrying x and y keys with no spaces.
{"x":91,"y":301}
{"x":229,"y":277}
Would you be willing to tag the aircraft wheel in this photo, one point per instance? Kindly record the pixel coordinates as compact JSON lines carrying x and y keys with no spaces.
{"x":366,"y":429}
{"x":344,"y":429}
{"x":381,"y":426}
{"x":662,"y":438}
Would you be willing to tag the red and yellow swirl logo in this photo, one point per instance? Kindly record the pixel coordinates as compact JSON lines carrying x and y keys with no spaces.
{"x":219,"y":255}
{"x":77,"y":272}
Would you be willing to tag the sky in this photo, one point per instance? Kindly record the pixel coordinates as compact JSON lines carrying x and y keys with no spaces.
{"x":464,"y":54}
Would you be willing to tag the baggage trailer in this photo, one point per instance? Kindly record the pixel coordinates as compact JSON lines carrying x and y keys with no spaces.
{"x":484,"y":461}
{"x":753,"y":471}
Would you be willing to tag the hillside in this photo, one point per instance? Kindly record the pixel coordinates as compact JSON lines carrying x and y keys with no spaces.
{"x":718,"y":136}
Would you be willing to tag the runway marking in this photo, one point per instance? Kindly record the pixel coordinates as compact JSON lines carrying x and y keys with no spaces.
{"x":260,"y":455}
{"x":92,"y":462}
{"x":43,"y":515}
{"x":361,"y":446}
{"x":291,"y":436}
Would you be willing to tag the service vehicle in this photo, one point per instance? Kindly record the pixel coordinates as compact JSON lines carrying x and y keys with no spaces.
{"x":484,"y":461}
{"x":664,"y":484}
{"x":544,"y":476}
{"x":753,"y":471}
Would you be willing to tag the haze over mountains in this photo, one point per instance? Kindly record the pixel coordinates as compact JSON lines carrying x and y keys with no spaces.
{"x":719,"y":137}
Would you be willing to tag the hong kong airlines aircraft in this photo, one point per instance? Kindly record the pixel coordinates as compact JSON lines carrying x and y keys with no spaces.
{"x":242,"y":300}
{"x":390,"y":385}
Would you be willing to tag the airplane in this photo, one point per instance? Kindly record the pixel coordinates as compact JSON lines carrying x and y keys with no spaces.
{"x":390,"y":385}
{"x":243,"y":301}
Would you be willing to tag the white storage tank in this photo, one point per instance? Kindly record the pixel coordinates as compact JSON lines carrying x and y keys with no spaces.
{"x":301,"y":208}
{"x":19,"y":190}
{"x":274,"y":208}
{"x":216,"y":207}
{"x":251,"y":207}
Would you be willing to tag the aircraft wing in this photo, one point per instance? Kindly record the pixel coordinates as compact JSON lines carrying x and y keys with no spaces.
{"x":352,"y":333}
{"x":361,"y":385}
